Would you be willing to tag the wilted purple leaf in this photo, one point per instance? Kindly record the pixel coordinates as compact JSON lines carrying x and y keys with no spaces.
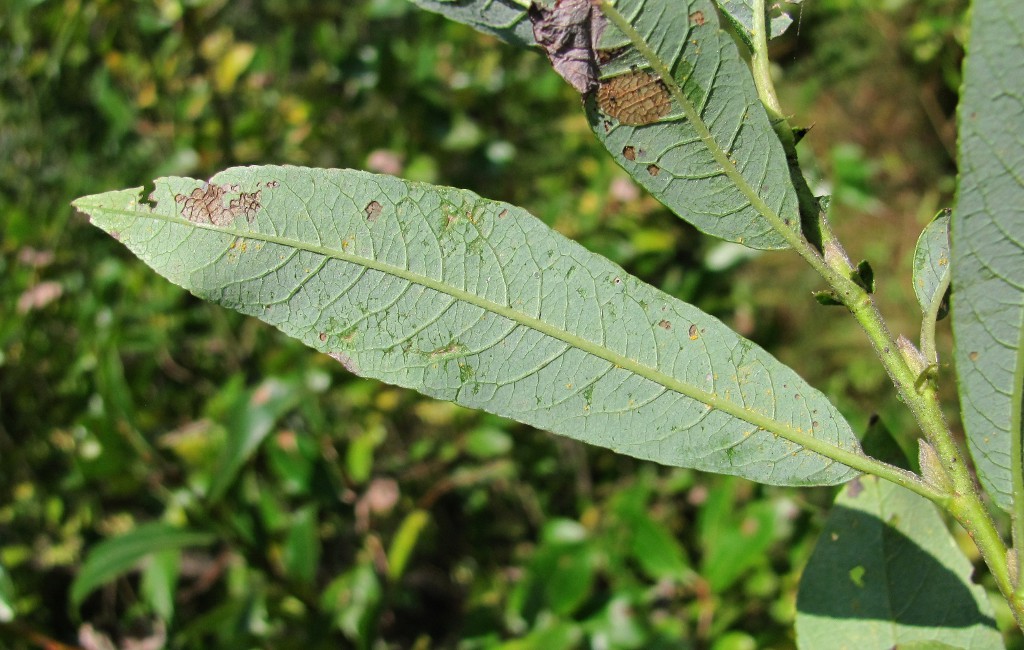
{"x":569,"y":33}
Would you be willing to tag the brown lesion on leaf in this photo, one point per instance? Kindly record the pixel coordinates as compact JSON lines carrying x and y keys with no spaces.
{"x":451,"y":349}
{"x":694,"y":333}
{"x":653,"y":169}
{"x":373,"y":210}
{"x":665,"y":325}
{"x":346,"y":361}
{"x":503,"y":213}
{"x":629,"y":152}
{"x":636,"y":98}
{"x":206,"y":204}
{"x":697,"y":18}
{"x":247,"y":205}
{"x":272,"y":184}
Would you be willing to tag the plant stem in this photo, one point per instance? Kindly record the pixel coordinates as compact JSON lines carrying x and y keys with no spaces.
{"x":1017,"y":469}
{"x":759,"y":63}
{"x":928,"y":320}
{"x":965,"y":503}
{"x":816,"y":243}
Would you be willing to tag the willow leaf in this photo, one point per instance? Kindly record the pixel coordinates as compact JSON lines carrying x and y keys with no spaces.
{"x":478,"y":302}
{"x":988,"y":250}
{"x":505,"y":19}
{"x":931,"y":269}
{"x":698,"y":138}
{"x":886,"y":573}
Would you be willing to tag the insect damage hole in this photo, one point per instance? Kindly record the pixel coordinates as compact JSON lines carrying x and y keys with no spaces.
{"x":372,"y":210}
{"x":629,"y":153}
{"x":635,"y":99}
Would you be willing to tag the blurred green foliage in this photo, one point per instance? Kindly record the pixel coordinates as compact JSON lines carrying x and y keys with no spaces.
{"x":172,"y":470}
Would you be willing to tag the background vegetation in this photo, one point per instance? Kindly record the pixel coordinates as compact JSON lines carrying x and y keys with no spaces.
{"x":335,"y":512}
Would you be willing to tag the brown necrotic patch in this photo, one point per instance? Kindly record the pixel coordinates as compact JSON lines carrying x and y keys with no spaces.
{"x":206,"y":205}
{"x":629,"y":152}
{"x":246,"y":204}
{"x":636,"y":98}
{"x":372,"y":210}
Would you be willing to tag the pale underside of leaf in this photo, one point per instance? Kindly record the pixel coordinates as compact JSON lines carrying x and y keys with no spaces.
{"x":931,"y":262}
{"x":886,"y":573}
{"x":988,"y":249}
{"x":741,"y":14}
{"x":711,"y":156}
{"x":478,"y":302}
{"x":505,"y":19}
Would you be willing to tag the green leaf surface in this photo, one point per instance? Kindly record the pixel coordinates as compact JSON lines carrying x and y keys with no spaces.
{"x":7,"y":597}
{"x":886,"y":572}
{"x":251,"y":421}
{"x":735,"y":538}
{"x":352,"y":601}
{"x":300,"y":553}
{"x":505,"y":19}
{"x":480,"y":303}
{"x":116,"y":556}
{"x":404,"y":542}
{"x":741,"y":14}
{"x":988,"y":248}
{"x":931,"y":263}
{"x":712,"y":157}
{"x":160,"y":580}
{"x":656,"y":550}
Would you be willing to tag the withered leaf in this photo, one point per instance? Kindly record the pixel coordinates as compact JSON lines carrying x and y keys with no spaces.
{"x":569,"y":33}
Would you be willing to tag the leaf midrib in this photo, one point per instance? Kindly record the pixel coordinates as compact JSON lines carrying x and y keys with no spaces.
{"x":652,"y":374}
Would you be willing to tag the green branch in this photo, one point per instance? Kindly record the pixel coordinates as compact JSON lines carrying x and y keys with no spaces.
{"x":827,"y":256}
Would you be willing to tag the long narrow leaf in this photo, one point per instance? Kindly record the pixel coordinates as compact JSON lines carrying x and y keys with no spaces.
{"x":252,"y":420}
{"x":988,"y":249}
{"x":478,"y":302}
{"x":696,"y":137}
{"x":695,"y":133}
{"x":118,"y":555}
